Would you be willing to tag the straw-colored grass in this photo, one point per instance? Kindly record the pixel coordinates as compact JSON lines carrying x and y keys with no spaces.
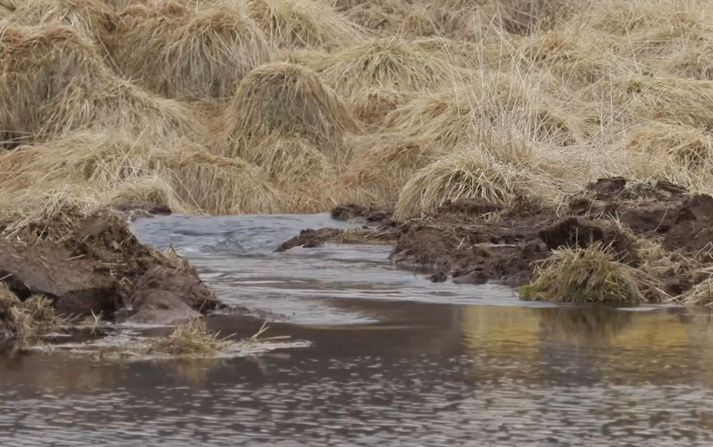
{"x":497,"y":169}
{"x":699,"y":295}
{"x":288,"y":100}
{"x":303,"y":23}
{"x":190,"y":338}
{"x":585,"y":275}
{"x":687,"y":146}
{"x":672,"y":100}
{"x":91,"y":18}
{"x":389,"y":62}
{"x":293,"y":105}
{"x":53,"y":81}
{"x":112,"y":167}
{"x":27,"y":320}
{"x":384,"y":162}
{"x":195,"y":53}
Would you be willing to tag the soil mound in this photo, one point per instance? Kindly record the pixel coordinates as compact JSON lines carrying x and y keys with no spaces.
{"x":93,"y":264}
{"x":655,"y":233}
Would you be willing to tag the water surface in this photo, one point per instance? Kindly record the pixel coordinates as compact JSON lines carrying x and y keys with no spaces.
{"x":393,"y":360}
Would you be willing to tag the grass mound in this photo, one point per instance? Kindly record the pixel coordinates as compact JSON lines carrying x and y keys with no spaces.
{"x":91,"y":18}
{"x":27,"y":319}
{"x":393,"y":17}
{"x":492,"y":171}
{"x":53,"y":81}
{"x":218,"y":185}
{"x":672,"y":100}
{"x":190,"y":338}
{"x":687,"y":146}
{"x":189,"y":53}
{"x":303,"y":23}
{"x":288,"y":100}
{"x":392,"y":62}
{"x":384,"y":162}
{"x":589,"y":275}
{"x":699,"y":295}
{"x":113,"y":167}
{"x":447,"y":118}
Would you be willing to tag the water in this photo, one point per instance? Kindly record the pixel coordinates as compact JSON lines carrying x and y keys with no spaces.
{"x":393,"y":360}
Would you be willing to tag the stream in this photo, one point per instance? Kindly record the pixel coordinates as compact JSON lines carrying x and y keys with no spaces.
{"x":388,"y":359}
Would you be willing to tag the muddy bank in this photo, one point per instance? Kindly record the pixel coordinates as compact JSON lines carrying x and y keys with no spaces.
{"x":656,"y":228}
{"x":93,"y":264}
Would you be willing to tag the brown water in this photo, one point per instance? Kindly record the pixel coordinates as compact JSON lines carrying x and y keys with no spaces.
{"x":393,"y":360}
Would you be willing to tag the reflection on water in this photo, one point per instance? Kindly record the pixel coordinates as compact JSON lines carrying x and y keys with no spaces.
{"x":446,"y":368}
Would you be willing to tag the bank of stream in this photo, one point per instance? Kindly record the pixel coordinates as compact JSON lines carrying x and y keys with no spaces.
{"x":380,"y":356}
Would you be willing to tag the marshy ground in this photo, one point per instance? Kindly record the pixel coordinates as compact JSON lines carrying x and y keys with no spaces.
{"x":541,"y":151}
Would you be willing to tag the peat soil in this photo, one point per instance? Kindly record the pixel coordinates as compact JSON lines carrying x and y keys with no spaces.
{"x":657,"y":227}
{"x":93,"y":264}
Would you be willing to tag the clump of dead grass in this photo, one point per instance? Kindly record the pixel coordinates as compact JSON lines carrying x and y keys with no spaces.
{"x":189,"y":338}
{"x":389,"y":62}
{"x":303,"y":23}
{"x":699,"y":295}
{"x":112,"y":167}
{"x":288,"y":100}
{"x":671,"y":100}
{"x":687,"y":146}
{"x":27,"y":320}
{"x":189,"y":53}
{"x":585,"y":275}
{"x":52,"y":81}
{"x":497,"y":168}
{"x":91,"y":18}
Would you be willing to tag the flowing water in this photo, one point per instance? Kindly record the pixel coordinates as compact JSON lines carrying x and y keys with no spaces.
{"x":392,"y":360}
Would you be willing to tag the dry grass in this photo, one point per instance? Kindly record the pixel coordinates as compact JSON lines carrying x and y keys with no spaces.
{"x":179,"y":53}
{"x":288,"y":100}
{"x":114,"y":167}
{"x":52,"y":81}
{"x":190,"y":338}
{"x":498,"y":168}
{"x":303,"y":23}
{"x":699,"y":295}
{"x":590,"y":275}
{"x":90,"y":18}
{"x":27,"y":320}
{"x":381,"y":101}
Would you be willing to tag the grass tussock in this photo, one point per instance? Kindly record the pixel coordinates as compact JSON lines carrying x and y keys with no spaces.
{"x":303,"y":23}
{"x":52,"y":81}
{"x":499,"y":169}
{"x":232,"y":106}
{"x":91,"y":18}
{"x":26,"y":320}
{"x":189,"y":53}
{"x":288,"y":100}
{"x":699,"y":295}
{"x":585,"y":275}
{"x":388,"y":63}
{"x":190,"y":338}
{"x":114,"y":167}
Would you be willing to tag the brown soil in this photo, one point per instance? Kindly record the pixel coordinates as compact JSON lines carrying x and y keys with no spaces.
{"x":474,"y":241}
{"x":94,"y":264}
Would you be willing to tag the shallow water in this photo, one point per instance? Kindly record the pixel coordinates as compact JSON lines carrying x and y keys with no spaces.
{"x":393,"y":360}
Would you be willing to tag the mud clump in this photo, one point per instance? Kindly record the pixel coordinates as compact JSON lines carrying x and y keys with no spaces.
{"x":370,"y":215}
{"x":93,"y":264}
{"x":311,"y":238}
{"x":692,"y":226}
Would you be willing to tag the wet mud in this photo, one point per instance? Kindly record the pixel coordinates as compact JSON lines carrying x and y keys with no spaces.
{"x":93,"y":264}
{"x":473,"y":241}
